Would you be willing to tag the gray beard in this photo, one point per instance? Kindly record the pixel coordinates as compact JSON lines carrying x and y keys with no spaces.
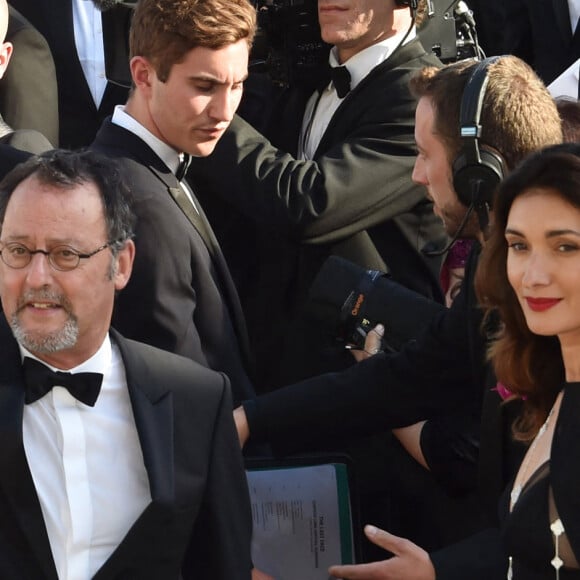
{"x":37,"y":343}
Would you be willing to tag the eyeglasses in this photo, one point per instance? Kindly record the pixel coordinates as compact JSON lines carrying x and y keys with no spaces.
{"x":63,"y":258}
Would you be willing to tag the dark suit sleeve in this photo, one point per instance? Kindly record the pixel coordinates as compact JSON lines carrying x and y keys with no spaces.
{"x":28,"y":93}
{"x":363,"y":179}
{"x":220,"y":542}
{"x":518,"y":30}
{"x":437,"y":374}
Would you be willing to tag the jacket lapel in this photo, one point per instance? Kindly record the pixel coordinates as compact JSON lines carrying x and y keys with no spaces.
{"x":153,"y":411}
{"x":15,"y":477}
{"x":562,"y":16}
{"x":402,"y":55}
{"x":113,"y":138}
{"x":152,"y":406}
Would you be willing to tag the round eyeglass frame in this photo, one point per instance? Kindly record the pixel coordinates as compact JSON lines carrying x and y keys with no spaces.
{"x":50,"y":255}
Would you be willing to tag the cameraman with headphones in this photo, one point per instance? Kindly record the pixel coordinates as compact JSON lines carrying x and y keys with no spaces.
{"x":334,"y":180}
{"x":472,"y":120}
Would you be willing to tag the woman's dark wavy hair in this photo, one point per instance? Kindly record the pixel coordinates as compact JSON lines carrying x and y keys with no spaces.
{"x":529,"y":365}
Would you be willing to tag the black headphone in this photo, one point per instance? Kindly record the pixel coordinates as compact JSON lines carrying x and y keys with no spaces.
{"x":477,"y":170}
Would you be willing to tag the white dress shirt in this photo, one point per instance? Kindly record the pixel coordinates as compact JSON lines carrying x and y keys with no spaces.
{"x":87,"y":466}
{"x":574,"y":9}
{"x":321,"y":107}
{"x":88,"y":31}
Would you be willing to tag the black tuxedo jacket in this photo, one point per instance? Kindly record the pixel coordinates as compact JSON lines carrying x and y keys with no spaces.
{"x":10,"y":158}
{"x":180,"y":296}
{"x":28,"y":89}
{"x":199,"y":513}
{"x":354,"y":199}
{"x":540,"y":33}
{"x":78,"y":114}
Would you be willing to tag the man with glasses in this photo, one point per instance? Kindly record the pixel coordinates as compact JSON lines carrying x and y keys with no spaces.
{"x":117,"y":459}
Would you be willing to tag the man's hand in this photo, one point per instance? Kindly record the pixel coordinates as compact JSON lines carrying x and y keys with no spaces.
{"x":410,"y":562}
{"x":259,"y":575}
{"x":241,"y":425}
{"x":372,"y":344}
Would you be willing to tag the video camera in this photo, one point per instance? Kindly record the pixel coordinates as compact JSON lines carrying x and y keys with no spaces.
{"x":347,"y":301}
{"x":289,"y":47}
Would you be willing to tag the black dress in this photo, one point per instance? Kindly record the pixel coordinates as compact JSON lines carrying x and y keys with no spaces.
{"x":525,"y":533}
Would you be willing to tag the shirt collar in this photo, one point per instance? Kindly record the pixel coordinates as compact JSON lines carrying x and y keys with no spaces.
{"x":100,"y":362}
{"x":361,"y":64}
{"x":167,"y":154}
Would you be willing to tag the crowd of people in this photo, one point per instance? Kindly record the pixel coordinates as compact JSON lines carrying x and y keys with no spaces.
{"x":157,"y":252}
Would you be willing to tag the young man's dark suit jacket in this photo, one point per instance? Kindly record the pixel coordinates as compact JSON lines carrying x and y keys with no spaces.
{"x":540,"y":33}
{"x":180,"y":296}
{"x":199,"y":510}
{"x":355,"y":199}
{"x":78,"y":115}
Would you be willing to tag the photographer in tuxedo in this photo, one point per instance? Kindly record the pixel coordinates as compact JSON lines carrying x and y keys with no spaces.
{"x":119,"y":460}
{"x":330,"y":176}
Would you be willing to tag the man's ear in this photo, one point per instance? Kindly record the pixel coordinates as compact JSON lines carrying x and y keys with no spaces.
{"x":5,"y":53}
{"x":124,"y":266}
{"x":142,"y":73}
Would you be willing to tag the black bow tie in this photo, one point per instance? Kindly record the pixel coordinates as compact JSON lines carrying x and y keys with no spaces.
{"x":183,"y":167}
{"x":39,"y":379}
{"x":341,"y":80}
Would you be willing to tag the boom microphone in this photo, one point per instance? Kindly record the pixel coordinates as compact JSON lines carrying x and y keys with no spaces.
{"x":454,"y":238}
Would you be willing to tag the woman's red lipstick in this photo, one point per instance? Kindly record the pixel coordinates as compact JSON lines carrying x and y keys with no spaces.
{"x":541,"y":304}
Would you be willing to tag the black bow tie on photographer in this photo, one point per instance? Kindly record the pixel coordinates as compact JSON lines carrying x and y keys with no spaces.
{"x":39,"y":380}
{"x":183,"y":166}
{"x":340,"y":78}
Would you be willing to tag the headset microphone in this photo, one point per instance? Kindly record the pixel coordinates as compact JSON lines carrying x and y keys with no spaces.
{"x":456,"y":235}
{"x":477,"y":169}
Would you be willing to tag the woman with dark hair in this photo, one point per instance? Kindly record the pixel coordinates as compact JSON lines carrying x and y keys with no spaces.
{"x":530,"y":275}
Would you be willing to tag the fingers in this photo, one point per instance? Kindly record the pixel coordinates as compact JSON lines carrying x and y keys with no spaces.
{"x":389,"y":542}
{"x":373,"y":339}
{"x":259,"y":575}
{"x":410,"y":562}
{"x":373,"y":571}
{"x":242,"y":426}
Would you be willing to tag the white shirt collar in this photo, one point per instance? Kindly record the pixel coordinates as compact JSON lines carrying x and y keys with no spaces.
{"x":167,"y":154}
{"x":574,"y":11}
{"x":361,"y":64}
{"x":98,"y":363}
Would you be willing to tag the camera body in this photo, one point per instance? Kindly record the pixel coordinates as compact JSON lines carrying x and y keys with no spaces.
{"x":288,"y":45}
{"x":346,"y":302}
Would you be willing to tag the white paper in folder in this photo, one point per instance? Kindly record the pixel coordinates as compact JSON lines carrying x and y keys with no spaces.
{"x":302,"y":520}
